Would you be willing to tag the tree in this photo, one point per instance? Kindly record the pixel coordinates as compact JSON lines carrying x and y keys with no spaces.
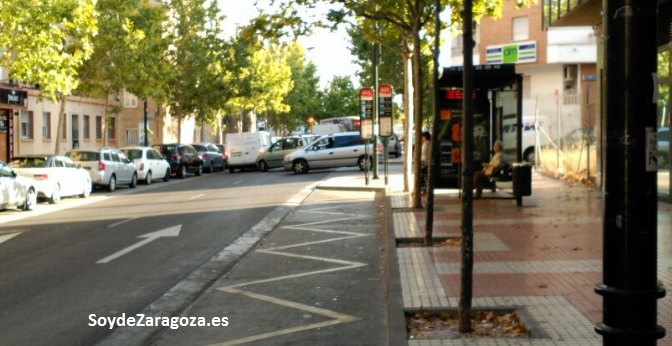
{"x":339,"y":99}
{"x":128,"y":54}
{"x":266,"y":80}
{"x":191,"y":30}
{"x":45,"y":42}
{"x":303,"y":99}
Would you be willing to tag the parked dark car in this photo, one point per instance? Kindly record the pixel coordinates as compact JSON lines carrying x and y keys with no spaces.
{"x":183,"y":159}
{"x":212,"y":156}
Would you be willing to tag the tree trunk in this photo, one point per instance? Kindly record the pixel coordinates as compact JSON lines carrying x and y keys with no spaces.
{"x":417,"y":101}
{"x":104,"y":124}
{"x":59,"y":125}
{"x":408,"y":126}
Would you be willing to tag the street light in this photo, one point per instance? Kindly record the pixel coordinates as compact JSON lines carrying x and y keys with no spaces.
{"x":311,"y":121}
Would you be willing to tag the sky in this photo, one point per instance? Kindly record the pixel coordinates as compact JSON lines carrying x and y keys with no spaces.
{"x":328,"y":51}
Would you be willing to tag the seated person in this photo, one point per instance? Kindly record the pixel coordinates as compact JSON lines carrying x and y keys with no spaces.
{"x":489,"y":168}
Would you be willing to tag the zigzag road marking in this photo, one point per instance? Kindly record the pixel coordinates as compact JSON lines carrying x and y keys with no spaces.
{"x":336,"y":317}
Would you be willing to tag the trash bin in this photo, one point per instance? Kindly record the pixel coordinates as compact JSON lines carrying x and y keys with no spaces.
{"x":522,"y":179}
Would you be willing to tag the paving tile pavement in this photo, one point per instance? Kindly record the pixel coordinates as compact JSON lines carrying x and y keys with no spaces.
{"x":543,"y":258}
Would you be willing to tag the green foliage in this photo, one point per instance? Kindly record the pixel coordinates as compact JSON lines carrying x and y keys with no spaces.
{"x":303,"y":98}
{"x":339,"y":99}
{"x":47,"y":41}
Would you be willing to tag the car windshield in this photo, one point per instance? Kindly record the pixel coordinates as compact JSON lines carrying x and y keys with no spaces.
{"x":84,"y":155}
{"x":200,"y":148}
{"x":28,"y":162}
{"x":133,"y":153}
{"x":165,"y":149}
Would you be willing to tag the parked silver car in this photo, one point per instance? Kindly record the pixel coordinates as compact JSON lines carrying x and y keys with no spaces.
{"x":108,"y":167}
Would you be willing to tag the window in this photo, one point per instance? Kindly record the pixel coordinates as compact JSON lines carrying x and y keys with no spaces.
{"x":99,"y":127}
{"x":27,"y":125}
{"x":111,"y":127}
{"x":132,"y":137}
{"x":75,"y":127}
{"x":130,"y":100}
{"x":527,"y":86}
{"x":86,"y":127}
{"x":46,"y":125}
{"x":521,"y":28}
{"x":64,"y":128}
{"x":115,"y":156}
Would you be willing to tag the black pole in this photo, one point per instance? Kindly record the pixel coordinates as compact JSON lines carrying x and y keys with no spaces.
{"x":376,"y":63}
{"x":432,"y":170}
{"x":145,"y":124}
{"x":630,"y":287}
{"x":467,"y":153}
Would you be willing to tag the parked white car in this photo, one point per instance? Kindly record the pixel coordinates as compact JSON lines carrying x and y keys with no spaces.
{"x":56,"y":176}
{"x":149,"y":163}
{"x":15,"y":190}
{"x":108,"y":167}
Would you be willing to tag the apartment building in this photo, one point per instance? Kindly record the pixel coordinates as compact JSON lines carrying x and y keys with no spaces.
{"x":558,"y":65}
{"x":29,"y":123}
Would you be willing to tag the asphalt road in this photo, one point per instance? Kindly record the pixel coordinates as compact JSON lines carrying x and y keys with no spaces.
{"x":66,"y":265}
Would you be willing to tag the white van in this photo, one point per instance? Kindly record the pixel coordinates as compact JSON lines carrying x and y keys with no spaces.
{"x":529,"y":136}
{"x":327,"y":129}
{"x":242,"y":149}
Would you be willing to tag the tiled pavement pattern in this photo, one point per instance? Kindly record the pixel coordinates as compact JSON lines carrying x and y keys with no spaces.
{"x":542,"y":258}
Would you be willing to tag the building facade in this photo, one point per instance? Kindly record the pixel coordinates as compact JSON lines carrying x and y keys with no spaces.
{"x":558,"y":66}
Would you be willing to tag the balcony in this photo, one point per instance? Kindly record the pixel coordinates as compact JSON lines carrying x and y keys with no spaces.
{"x":571,"y":13}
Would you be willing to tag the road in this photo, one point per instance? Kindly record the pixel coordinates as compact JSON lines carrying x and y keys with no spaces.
{"x":66,"y":265}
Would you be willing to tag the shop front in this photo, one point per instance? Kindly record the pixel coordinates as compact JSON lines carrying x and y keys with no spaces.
{"x":12,"y":101}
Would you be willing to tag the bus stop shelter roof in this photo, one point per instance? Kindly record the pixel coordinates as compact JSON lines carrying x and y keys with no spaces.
{"x":485,"y":76}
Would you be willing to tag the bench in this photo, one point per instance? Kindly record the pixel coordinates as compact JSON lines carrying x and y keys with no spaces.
{"x":503,"y":179}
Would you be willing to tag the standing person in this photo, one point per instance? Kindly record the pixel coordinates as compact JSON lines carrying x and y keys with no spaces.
{"x":425,"y":159}
{"x":488,"y":168}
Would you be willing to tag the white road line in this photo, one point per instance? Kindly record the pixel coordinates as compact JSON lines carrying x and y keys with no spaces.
{"x":336,"y":317}
{"x":120,"y":222}
{"x":238,"y":182}
{"x":197,"y":196}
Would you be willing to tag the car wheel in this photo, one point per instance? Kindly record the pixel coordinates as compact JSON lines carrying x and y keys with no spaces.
{"x":167,"y":176}
{"x":87,"y":190}
{"x":212,"y":168}
{"x":199,"y":171}
{"x":134,"y":181}
{"x":56,"y":195}
{"x":263,"y":166}
{"x":182,"y":173}
{"x":148,"y":178}
{"x":31,"y":200}
{"x":362,"y":163}
{"x":529,"y":155}
{"x":112,"y":185}
{"x":231,"y":169}
{"x":300,"y":167}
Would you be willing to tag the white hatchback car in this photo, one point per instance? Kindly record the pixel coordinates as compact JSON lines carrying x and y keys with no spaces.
{"x":108,"y":167}
{"x":149,"y":163}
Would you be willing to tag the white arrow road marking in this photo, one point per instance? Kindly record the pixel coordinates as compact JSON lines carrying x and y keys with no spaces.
{"x":150,"y":237}
{"x":7,"y":236}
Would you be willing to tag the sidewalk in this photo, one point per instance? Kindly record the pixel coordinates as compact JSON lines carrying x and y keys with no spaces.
{"x":543,"y":259}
